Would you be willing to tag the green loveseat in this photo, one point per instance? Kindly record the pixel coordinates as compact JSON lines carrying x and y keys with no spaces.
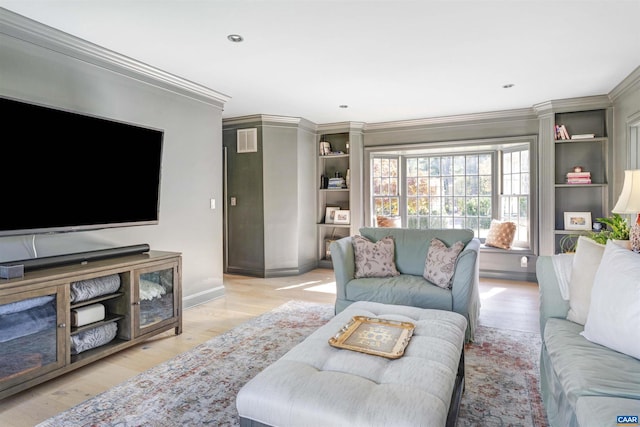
{"x":583,"y":384}
{"x":410,"y":288}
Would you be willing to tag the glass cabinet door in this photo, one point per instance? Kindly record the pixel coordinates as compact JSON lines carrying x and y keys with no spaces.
{"x":32,"y":334}
{"x":156,"y":300}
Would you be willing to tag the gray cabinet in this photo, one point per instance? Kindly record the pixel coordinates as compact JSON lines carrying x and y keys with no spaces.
{"x":46,"y":330}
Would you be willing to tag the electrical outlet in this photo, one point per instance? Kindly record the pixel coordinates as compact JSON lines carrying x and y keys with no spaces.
{"x":523,"y":261}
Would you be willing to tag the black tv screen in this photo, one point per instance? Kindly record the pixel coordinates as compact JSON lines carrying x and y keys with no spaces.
{"x":62,"y":171}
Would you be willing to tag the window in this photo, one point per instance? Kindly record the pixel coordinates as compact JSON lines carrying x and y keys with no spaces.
{"x":449,"y":192}
{"x":464,"y":187}
{"x":385,"y":183}
{"x":515,"y":193}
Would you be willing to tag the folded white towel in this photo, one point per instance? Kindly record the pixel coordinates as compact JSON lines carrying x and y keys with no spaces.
{"x":150,"y":290}
{"x":88,"y":314}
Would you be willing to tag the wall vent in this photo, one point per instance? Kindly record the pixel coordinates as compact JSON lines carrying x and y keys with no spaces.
{"x":248,"y":140}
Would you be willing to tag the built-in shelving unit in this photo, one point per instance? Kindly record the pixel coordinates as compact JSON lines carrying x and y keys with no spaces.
{"x":336,"y":164}
{"x":591,"y":154}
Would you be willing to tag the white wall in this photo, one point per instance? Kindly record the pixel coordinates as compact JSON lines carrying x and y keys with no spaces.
{"x":41,"y":65}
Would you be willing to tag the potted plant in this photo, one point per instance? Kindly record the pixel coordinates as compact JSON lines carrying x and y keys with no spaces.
{"x":617,"y":230}
{"x":568,"y":243}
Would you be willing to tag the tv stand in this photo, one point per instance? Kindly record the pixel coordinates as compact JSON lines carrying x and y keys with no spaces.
{"x":43,"y":314}
{"x":79,"y":257}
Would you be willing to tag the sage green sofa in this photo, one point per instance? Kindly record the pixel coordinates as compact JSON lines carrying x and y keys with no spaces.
{"x":582,"y":383}
{"x":410,"y":288}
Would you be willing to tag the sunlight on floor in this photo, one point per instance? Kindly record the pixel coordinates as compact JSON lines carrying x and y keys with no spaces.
{"x":298,"y":285}
{"x":327,"y":288}
{"x":491,"y":293}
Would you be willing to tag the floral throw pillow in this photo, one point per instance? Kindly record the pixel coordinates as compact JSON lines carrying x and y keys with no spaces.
{"x":440,"y":263}
{"x":374,"y":259}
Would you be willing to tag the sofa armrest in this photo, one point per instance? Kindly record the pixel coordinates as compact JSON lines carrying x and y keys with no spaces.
{"x":551,"y":302}
{"x":344,"y":265}
{"x":464,"y":289}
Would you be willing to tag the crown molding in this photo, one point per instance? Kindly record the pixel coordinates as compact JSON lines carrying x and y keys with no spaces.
{"x":630,"y":83}
{"x":492,"y":116}
{"x":573,"y":104}
{"x":30,"y":31}
{"x":340,"y":127}
{"x":269,"y":120}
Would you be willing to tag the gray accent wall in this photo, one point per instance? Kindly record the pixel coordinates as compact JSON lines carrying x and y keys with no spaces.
{"x":626,"y":123}
{"x":270,"y":230}
{"x":41,"y":65}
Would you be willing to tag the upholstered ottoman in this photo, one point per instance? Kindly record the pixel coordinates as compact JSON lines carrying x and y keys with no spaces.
{"x":315,"y":384}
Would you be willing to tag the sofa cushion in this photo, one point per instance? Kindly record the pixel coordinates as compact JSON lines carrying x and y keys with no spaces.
{"x":584,"y":368}
{"x":374,"y":259}
{"x":440,"y":263}
{"x":614,"y":313}
{"x":501,"y":234}
{"x":412,"y":245}
{"x":604,"y":411}
{"x":405,"y":289}
{"x":583,"y":270}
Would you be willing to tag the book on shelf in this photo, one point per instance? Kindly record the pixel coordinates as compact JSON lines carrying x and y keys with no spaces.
{"x":561,"y":132}
{"x":578,"y":180}
{"x":578,"y":174}
{"x":584,"y":136}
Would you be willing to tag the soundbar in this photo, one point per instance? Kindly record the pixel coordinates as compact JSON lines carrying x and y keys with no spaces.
{"x":79,"y":257}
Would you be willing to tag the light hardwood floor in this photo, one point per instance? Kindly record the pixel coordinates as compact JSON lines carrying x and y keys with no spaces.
{"x":505,"y":304}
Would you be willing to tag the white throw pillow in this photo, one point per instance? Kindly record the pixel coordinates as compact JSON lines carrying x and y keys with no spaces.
{"x":583,"y":271}
{"x":614,"y":314}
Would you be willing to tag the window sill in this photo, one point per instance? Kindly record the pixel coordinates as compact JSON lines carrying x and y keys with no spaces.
{"x":519,"y":251}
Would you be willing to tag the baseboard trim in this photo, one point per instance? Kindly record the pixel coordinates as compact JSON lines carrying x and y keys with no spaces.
{"x":274,"y":272}
{"x":202,"y":297}
{"x":508,"y":275}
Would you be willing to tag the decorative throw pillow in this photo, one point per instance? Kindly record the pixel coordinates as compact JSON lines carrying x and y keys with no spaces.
{"x":614,"y":313}
{"x":583,"y":271}
{"x":374,"y":259}
{"x":440,"y":263}
{"x":501,"y":234}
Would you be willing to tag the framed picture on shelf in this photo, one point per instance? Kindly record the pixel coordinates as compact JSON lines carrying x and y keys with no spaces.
{"x":329,"y":214}
{"x":342,"y":217}
{"x":577,"y":220}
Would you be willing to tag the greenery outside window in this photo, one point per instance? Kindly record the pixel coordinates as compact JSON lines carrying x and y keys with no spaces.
{"x":449,"y":191}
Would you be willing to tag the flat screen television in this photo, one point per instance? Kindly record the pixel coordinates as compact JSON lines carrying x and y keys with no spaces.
{"x":62,"y":171}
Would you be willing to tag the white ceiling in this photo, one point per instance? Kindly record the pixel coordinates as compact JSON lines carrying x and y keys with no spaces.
{"x":387,"y":60}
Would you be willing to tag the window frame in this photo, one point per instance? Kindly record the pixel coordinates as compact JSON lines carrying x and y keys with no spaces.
{"x":456,"y":148}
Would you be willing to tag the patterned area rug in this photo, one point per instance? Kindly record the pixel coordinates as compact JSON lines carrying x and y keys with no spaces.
{"x":502,"y":374}
{"x":198,"y":387}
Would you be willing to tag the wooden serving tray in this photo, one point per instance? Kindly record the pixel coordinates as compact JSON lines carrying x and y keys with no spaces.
{"x":371,"y":335}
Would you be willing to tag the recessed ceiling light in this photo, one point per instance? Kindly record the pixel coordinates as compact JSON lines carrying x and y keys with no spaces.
{"x":236,"y":38}
{"x":343,"y":106}
{"x":508,"y":86}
